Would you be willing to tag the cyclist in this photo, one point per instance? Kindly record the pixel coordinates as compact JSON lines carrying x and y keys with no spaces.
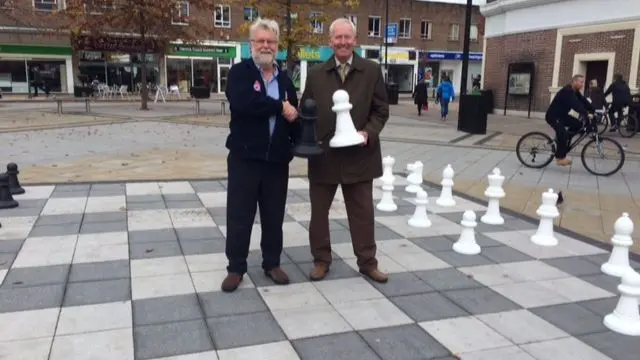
{"x":621,"y":95}
{"x":564,"y":114}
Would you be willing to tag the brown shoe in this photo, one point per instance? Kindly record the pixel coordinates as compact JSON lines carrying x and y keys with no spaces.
{"x":231,"y":282}
{"x":375,"y":275}
{"x":278,"y":276}
{"x":564,"y":162}
{"x":319,"y":272}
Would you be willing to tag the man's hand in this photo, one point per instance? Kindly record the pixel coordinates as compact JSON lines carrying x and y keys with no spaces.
{"x":290,"y":113}
{"x":366,"y":137}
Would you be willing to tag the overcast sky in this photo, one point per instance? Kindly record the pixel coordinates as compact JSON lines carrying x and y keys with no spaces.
{"x":475,"y":2}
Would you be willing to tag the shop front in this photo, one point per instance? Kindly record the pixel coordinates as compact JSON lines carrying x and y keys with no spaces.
{"x":308,"y":57}
{"x":18,"y":62}
{"x":402,"y":64}
{"x":116,"y":61}
{"x":434,"y":65}
{"x":200,"y":65}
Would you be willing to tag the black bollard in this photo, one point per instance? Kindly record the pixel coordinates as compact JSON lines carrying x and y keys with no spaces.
{"x":560,"y":198}
{"x":308,"y":144}
{"x":14,"y":183}
{"x":6,"y":199}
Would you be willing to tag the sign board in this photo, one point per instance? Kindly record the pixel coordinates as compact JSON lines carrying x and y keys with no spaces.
{"x":391,"y":35}
{"x":452,"y":55}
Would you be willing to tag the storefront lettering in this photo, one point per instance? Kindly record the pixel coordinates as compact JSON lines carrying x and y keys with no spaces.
{"x":113,"y":44}
{"x":309,"y":54}
{"x":202,"y":49}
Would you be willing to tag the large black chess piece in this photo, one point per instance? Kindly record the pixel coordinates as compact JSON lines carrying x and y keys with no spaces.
{"x":308,"y":144}
{"x":14,"y":183}
{"x":6,"y":199}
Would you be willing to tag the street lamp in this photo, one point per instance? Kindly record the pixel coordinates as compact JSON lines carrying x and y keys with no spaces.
{"x":386,"y":42}
{"x":465,"y":47}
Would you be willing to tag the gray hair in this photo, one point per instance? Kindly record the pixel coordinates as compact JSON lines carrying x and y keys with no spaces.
{"x":264,"y":24}
{"x":342,"y":20}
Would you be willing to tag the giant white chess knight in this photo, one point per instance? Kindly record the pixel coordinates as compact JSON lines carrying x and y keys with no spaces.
{"x":346,"y":134}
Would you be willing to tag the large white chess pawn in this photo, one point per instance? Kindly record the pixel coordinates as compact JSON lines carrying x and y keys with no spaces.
{"x":387,"y":170}
{"x":446,"y":194}
{"x":386,"y":202}
{"x":420,"y":218}
{"x":547,"y":211}
{"x":466,"y":243}
{"x":618,"y":262}
{"x":494,"y":193}
{"x":346,"y":133}
{"x":625,"y":318}
{"x":415,"y":177}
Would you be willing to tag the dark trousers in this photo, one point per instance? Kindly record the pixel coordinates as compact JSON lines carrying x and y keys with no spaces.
{"x":254,"y":184}
{"x":565,"y":129}
{"x":358,"y":200}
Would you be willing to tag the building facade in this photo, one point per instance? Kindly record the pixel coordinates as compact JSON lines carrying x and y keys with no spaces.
{"x":532,"y":48}
{"x":424,"y":40}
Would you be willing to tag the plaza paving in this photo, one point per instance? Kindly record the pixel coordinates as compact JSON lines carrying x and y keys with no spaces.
{"x":170,"y":142}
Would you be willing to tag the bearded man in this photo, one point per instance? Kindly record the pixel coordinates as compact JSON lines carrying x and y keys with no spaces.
{"x":263,"y":128}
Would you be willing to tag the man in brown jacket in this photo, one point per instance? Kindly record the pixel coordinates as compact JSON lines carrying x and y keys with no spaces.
{"x":353,"y":168}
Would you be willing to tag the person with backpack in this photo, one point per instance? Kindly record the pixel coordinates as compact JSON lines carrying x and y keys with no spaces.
{"x":621,"y":98}
{"x":445,"y":94}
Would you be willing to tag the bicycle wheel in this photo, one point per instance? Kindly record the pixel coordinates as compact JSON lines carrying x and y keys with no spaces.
{"x":599,"y":145}
{"x":548,"y":145}
{"x":628,"y":126}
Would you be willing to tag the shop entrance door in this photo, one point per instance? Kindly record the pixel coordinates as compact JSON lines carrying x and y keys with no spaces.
{"x":223,"y":75}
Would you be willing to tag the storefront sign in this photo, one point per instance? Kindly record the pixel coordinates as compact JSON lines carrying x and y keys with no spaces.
{"x":451,"y":55}
{"x":117,"y":44}
{"x":203,"y":50}
{"x":396,"y":56}
{"x":34,"y":50}
{"x":323,"y":53}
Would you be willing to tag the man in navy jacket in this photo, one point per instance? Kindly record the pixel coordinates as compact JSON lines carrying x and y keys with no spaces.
{"x":263,"y":128}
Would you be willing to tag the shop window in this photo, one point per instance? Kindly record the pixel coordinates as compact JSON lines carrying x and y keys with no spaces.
{"x":374,"y":26}
{"x":179,"y":74}
{"x":181,"y":13}
{"x":222,"y":16}
{"x":404,"y":28}
{"x":46,"y":5}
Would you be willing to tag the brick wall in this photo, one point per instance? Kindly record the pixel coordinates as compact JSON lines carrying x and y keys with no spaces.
{"x":620,"y":42}
{"x":537,"y":47}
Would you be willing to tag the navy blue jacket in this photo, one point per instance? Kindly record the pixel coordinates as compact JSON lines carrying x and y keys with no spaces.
{"x":565,"y":100}
{"x":251,"y":109}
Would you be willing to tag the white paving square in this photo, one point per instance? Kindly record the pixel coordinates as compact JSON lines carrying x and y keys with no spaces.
{"x":176,"y":187}
{"x":146,"y":287}
{"x":45,"y":251}
{"x":97,"y":204}
{"x":63,"y":206}
{"x":142,"y":188}
{"x":149,"y":220}
{"x":274,"y":351}
{"x":101,"y":345}
{"x":464,"y":334}
{"x":95,"y":317}
{"x":521,"y":326}
{"x":371,"y":314}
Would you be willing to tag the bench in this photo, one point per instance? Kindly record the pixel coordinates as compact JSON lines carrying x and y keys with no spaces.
{"x":223,"y":106}
{"x":59,"y":101}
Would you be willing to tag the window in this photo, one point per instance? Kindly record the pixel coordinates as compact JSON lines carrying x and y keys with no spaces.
{"x":98,"y":6}
{"x":374,"y":26}
{"x":222,"y":16}
{"x":425,"y":30}
{"x":316,"y":24}
{"x":181,"y":13}
{"x":353,"y":19}
{"x":250,"y":13}
{"x":454,"y":32}
{"x":473,"y":34}
{"x":404,"y":28}
{"x":5,"y":4}
{"x":46,"y":5}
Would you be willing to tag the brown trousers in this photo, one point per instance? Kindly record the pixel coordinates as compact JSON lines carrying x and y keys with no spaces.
{"x":358,"y":200}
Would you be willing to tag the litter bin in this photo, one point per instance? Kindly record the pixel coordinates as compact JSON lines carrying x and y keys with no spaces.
{"x":200,"y":92}
{"x":393,"y":93}
{"x":487,"y":96}
{"x":472,"y":116}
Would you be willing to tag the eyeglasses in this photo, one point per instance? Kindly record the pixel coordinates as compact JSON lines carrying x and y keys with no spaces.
{"x":264,"y":41}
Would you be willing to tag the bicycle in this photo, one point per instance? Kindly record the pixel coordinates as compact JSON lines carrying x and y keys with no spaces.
{"x":628,"y":123}
{"x":586,"y":131}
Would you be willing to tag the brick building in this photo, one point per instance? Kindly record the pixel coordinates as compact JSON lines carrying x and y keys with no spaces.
{"x":428,"y":40}
{"x":546,"y":42}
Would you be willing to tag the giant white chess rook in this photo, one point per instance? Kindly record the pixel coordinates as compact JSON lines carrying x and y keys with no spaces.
{"x":494,"y":193}
{"x":618,"y":262}
{"x":346,"y":133}
{"x":547,"y":211}
{"x":625,"y":318}
{"x":466,"y":243}
{"x":446,"y":194}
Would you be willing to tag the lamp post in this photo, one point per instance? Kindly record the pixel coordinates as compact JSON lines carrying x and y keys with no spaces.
{"x":386,"y":42}
{"x":465,"y":47}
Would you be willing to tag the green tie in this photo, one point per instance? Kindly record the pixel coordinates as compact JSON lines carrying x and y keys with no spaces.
{"x":344,"y":70}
